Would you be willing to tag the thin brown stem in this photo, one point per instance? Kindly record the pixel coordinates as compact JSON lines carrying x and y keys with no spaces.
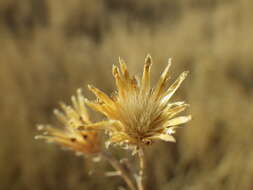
{"x":119,"y":167}
{"x":142,"y":175}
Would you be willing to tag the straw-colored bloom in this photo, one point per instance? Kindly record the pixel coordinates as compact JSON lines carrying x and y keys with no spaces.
{"x":73,"y":117}
{"x":138,"y":114}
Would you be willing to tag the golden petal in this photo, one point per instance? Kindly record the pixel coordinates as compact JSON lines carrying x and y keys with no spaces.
{"x":95,"y":106}
{"x":61,"y":117}
{"x":164,"y":137}
{"x":171,"y":112}
{"x":148,"y":59}
{"x":121,"y":137}
{"x":170,"y":105}
{"x":178,"y":121}
{"x":121,"y":85}
{"x":74,"y":102}
{"x":172,"y":89}
{"x":162,"y":81}
{"x":64,"y":107}
{"x":123,"y":68}
{"x":145,"y":86}
{"x":102,"y":108}
{"x":72,"y":114}
{"x":51,"y":131}
{"x":81,"y":106}
{"x":99,"y":125}
{"x":101,"y":95}
{"x":115,"y":125}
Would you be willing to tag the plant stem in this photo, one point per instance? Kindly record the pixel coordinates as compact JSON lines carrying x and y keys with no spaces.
{"x":142,"y":175}
{"x":119,"y":167}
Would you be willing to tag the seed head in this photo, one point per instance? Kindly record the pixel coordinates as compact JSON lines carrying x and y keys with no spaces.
{"x":138,"y":114}
{"x":73,"y":117}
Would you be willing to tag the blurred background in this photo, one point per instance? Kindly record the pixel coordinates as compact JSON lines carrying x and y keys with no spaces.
{"x":49,"y":48}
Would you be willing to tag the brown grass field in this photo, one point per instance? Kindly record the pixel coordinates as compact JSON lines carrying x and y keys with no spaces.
{"x":49,"y":48}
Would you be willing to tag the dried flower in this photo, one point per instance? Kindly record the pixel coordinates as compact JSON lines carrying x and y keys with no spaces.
{"x":138,"y":114}
{"x":73,"y":117}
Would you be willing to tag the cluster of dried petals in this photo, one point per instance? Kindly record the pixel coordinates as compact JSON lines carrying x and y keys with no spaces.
{"x":86,"y":141}
{"x":138,"y":114}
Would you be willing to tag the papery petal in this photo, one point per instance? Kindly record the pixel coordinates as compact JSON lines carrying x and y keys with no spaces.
{"x":171,"y":112}
{"x":101,"y":96}
{"x":123,"y":69}
{"x":100,"y":125}
{"x":178,"y":121}
{"x":172,"y":89}
{"x":120,"y":83}
{"x":164,"y":137}
{"x":145,"y":86}
{"x":162,"y":81}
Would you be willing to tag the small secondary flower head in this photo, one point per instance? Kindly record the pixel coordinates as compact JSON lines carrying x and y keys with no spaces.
{"x":85,"y":141}
{"x":138,"y":114}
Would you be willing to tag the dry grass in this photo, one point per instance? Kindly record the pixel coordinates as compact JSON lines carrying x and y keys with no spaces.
{"x":50,"y":48}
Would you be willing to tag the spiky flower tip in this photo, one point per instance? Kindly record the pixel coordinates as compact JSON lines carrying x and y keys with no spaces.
{"x":138,"y":114}
{"x":86,"y":141}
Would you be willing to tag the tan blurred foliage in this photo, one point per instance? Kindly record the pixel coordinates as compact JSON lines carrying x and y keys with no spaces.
{"x":49,"y":48}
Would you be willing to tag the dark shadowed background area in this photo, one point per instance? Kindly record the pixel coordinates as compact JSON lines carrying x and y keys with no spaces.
{"x":49,"y":48}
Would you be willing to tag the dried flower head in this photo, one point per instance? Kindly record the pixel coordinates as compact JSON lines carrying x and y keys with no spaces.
{"x":138,"y":114}
{"x":73,"y":117}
